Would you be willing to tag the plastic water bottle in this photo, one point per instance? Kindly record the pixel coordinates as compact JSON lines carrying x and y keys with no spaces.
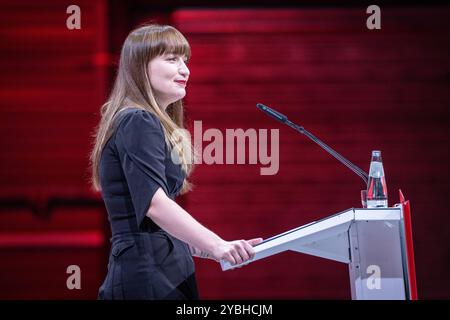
{"x":377,"y":196}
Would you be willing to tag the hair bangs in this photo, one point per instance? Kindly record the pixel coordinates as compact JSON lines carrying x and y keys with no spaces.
{"x":172,"y":41}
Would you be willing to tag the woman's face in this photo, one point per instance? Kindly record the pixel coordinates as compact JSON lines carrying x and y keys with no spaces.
{"x":168,"y":78}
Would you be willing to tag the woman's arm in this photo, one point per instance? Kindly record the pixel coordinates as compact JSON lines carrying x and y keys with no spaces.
{"x":167,"y":214}
{"x":198,"y":253}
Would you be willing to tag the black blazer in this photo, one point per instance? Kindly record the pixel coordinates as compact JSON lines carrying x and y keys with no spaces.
{"x":145,"y":262}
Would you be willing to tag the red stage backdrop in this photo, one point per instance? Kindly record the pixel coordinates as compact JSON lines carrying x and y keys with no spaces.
{"x":356,"y":89}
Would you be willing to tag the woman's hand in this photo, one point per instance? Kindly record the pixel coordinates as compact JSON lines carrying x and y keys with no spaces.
{"x":235,"y":252}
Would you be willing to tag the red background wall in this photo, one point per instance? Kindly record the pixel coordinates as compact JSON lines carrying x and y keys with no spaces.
{"x":356,"y":89}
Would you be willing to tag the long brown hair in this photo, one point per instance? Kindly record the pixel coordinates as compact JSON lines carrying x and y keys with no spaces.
{"x":132,"y":88}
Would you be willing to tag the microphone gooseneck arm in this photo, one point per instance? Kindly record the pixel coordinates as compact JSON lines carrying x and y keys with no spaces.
{"x":283,"y":119}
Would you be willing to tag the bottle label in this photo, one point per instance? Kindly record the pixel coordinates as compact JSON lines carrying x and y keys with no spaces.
{"x":377,"y":203}
{"x":376,"y":170}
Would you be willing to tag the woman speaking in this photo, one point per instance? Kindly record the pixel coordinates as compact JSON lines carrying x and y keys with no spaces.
{"x":153,"y":238}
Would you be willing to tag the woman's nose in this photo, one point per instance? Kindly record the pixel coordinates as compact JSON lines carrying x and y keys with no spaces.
{"x":183,"y":69}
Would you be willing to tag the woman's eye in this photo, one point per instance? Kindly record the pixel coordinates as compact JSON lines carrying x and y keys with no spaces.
{"x":175,"y":59}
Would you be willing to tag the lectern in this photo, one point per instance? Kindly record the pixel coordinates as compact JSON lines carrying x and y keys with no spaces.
{"x":375,"y":243}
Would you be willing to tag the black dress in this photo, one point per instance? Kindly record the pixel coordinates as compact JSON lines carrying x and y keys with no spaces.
{"x":145,"y":262}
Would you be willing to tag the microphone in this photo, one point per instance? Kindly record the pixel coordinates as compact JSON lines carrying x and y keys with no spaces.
{"x":283,"y":119}
{"x":274,"y":114}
